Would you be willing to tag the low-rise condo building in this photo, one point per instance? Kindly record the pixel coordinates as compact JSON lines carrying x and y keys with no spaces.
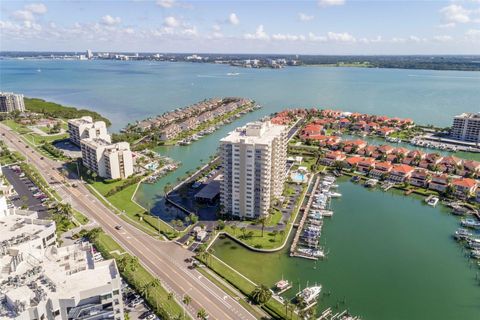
{"x":85,"y":127}
{"x":464,"y":187}
{"x":254,"y":168}
{"x":420,"y":177}
{"x":107,"y":160}
{"x":10,"y":102}
{"x":439,"y":182}
{"x":466,"y":127}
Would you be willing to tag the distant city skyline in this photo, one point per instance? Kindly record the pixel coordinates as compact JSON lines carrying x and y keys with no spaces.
{"x":284,"y":27}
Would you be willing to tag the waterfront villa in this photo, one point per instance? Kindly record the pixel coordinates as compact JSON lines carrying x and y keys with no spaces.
{"x":383,"y":151}
{"x":352,"y":162}
{"x":414,"y":157}
{"x":385,"y":131}
{"x":368,"y":150}
{"x":354,"y":146}
{"x":449,"y":164}
{"x":420,"y":177}
{"x":470,"y":168}
{"x":431,"y":160}
{"x":464,"y":187}
{"x":365,"y":165}
{"x":312,"y":130}
{"x":381,"y":169}
{"x":400,"y":173}
{"x":439,"y":182}
{"x":332,"y":157}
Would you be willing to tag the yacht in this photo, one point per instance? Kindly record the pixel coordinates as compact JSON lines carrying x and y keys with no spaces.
{"x":475,"y":254}
{"x":356,"y":179}
{"x":470,"y":223}
{"x":312,"y":252}
{"x":309,"y":294}
{"x":327,"y":213}
{"x":432,"y":201}
{"x":334,"y":194}
{"x":371,"y":183}
{"x":462,"y":234}
{"x":282,"y":285}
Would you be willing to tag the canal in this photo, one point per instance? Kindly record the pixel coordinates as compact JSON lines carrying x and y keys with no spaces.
{"x":389,"y":257}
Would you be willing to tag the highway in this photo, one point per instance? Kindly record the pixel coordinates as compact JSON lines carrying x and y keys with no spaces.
{"x":164,"y":259}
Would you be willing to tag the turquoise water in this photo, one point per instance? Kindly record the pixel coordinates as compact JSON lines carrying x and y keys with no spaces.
{"x":128,"y":91}
{"x":389,"y":257}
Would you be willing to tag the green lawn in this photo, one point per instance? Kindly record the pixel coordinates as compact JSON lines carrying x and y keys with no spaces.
{"x":108,"y":243}
{"x":274,"y":218}
{"x":246,"y":287}
{"x":38,"y":139}
{"x":268,"y":241}
{"x":80,"y":217}
{"x":19,"y":128}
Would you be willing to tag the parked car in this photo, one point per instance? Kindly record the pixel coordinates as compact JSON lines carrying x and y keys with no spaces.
{"x":135,"y":302}
{"x":145,"y":314}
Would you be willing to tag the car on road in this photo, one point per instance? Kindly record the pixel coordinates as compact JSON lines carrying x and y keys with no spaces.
{"x":135,"y":302}
{"x":150,"y":317}
{"x":145,"y":314}
{"x":119,"y":227}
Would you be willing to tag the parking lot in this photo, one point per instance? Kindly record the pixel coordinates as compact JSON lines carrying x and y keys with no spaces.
{"x":27,"y":193}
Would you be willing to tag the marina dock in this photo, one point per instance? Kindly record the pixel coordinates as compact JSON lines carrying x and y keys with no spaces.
{"x":328,"y":314}
{"x":296,"y":239}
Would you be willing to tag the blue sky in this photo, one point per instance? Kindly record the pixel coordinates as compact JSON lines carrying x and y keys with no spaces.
{"x":300,"y":27}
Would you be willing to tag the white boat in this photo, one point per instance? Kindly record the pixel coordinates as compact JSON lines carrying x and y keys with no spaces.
{"x":309,"y":294}
{"x":312,"y":252}
{"x":326,"y":213}
{"x":470,"y":223}
{"x":335,"y":194}
{"x":282,"y":285}
{"x":432,"y":201}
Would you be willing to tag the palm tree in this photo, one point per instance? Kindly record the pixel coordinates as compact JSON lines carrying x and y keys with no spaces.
{"x":122,"y":263}
{"x":243,"y":229}
{"x":155,"y":283}
{"x":202,"y":314}
{"x":186,"y":301}
{"x":234,"y":228}
{"x":262,"y":221}
{"x":134,"y":264}
{"x":261,"y":294}
{"x":282,"y":233}
{"x":144,"y":290}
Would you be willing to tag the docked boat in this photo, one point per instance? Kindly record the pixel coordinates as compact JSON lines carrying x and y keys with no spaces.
{"x":282,"y":285}
{"x":470,"y":223}
{"x":356,"y":179}
{"x":334,"y":194}
{"x":314,"y":228}
{"x":309,"y":294}
{"x":473,"y":244}
{"x":326,"y":213}
{"x":312,"y":252}
{"x":315,"y":222}
{"x":371,"y":183}
{"x":432,"y":201}
{"x":462,"y":234}
{"x":475,"y":254}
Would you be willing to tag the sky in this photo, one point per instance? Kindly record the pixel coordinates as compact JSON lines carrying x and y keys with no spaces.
{"x":354,"y":27}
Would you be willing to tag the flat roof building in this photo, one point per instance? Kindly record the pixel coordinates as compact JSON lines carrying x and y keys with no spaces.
{"x":10,"y":102}
{"x":466,"y":127}
{"x":108,"y":160}
{"x":254,"y":168}
{"x":85,"y":127}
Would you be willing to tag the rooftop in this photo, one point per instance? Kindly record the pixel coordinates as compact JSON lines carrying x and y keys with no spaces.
{"x":255,"y":132}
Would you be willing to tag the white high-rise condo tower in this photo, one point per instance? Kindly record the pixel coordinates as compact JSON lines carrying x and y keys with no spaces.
{"x":254,"y":168}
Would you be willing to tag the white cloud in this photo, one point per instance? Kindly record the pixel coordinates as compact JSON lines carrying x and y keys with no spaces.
{"x":36,"y":8}
{"x":216,"y":27}
{"x":442,"y":38}
{"x":233,"y":19}
{"x":473,"y":34}
{"x":304,"y":17}
{"x":328,"y":3}
{"x":23,"y":15}
{"x":166,"y":3}
{"x":259,"y":34}
{"x":415,"y":39}
{"x":455,"y":13}
{"x":108,"y":20}
{"x":341,"y":37}
{"x":314,"y":37}
{"x":288,"y":37}
{"x":171,"y":22}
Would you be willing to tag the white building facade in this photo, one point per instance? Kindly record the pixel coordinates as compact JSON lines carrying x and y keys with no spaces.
{"x":85,"y":127}
{"x":254,"y":169}
{"x":10,"y":102}
{"x":466,"y":127}
{"x":108,"y":160}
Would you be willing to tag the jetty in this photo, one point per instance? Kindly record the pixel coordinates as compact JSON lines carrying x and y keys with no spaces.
{"x":328,"y":314}
{"x":296,"y":239}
